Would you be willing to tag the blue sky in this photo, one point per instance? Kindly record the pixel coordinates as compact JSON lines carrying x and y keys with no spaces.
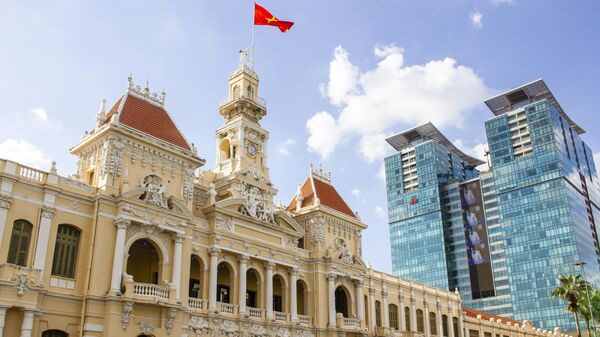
{"x":346,"y":75}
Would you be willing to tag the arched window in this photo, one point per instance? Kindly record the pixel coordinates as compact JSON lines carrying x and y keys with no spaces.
{"x":420,"y":322}
{"x":407,"y":318}
{"x":341,"y":301}
{"x":432,"y":323}
{"x":195,"y":284}
{"x":143,"y":263}
{"x":225,"y":149}
{"x":278,"y":293}
{"x":54,"y":333}
{"x":445,"y":325}
{"x":236,"y":92}
{"x":455,"y":325}
{"x":378,"y":313}
{"x":65,"y":251}
{"x":250,"y":92}
{"x":19,"y":242}
{"x":253,"y":291}
{"x":393,"y":312}
{"x":301,"y":297}
{"x":224,"y":283}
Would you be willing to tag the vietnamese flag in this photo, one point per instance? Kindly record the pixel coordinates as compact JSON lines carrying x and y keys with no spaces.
{"x":264,"y":17}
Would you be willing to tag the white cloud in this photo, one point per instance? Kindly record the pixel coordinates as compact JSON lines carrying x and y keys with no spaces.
{"x":477,"y":150}
{"x":40,"y":114}
{"x":380,"y":212}
{"x":343,"y":77}
{"x":381,"y":172}
{"x":476,"y":18}
{"x":389,"y":97}
{"x":356,"y":193}
{"x":503,"y":2}
{"x":25,"y":153}
{"x":284,"y":148}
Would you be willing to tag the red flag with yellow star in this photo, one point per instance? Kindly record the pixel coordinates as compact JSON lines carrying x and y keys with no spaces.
{"x":264,"y":17}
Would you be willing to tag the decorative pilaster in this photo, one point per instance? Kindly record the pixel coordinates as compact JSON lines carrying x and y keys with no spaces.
{"x":373,"y":314}
{"x":176,"y":276}
{"x":2,"y":319}
{"x":212,"y":282}
{"x":331,"y":299}
{"x":386,"y":314}
{"x":401,"y":312}
{"x":293,"y":294}
{"x":119,"y":254}
{"x":426,"y":318}
{"x":42,"y":241}
{"x":269,"y":284}
{"x":413,"y":314}
{"x":360,"y":305}
{"x":5,"y":202}
{"x":242,"y":282}
{"x":27,"y":324}
{"x":440,"y":324}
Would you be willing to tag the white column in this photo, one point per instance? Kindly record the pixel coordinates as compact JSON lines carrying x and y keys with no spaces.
{"x":426,"y":318}
{"x":331,"y":299}
{"x":440,"y":323}
{"x":461,"y":329}
{"x":373,"y":312}
{"x":176,"y":276}
{"x":360,"y":305}
{"x":269,"y":283}
{"x":413,"y":313}
{"x":401,"y":313}
{"x":117,"y":268}
{"x":2,"y":319}
{"x":242,"y":282}
{"x":27,"y":325}
{"x":293,"y":294}
{"x":42,"y":241}
{"x":4,"y":206}
{"x":384,"y":310}
{"x":212,"y":281}
{"x":450,"y":322}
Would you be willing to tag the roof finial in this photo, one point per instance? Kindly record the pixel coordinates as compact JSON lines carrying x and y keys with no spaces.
{"x":101,"y":116}
{"x":130,"y":81}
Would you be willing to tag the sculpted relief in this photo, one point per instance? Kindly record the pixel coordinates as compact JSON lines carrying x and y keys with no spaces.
{"x":258,"y":204}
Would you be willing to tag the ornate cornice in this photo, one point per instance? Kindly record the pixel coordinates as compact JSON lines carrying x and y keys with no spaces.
{"x":5,"y":201}
{"x":48,"y":212}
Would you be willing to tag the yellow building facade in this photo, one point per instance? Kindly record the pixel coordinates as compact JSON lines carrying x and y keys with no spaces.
{"x":143,"y":241}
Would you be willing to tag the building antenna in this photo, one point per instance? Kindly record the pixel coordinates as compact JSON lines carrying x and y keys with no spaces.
{"x":252,"y":37}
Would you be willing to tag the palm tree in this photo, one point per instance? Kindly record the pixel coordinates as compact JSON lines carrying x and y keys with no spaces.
{"x":569,"y":290}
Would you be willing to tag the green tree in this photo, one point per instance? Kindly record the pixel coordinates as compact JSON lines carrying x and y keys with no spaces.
{"x":586,"y":292}
{"x":569,"y":289}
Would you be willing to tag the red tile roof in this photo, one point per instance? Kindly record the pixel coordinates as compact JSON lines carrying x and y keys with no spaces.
{"x":148,"y":118}
{"x":486,"y":316}
{"x":325,"y":192}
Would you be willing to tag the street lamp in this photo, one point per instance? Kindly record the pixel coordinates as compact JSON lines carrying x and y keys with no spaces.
{"x":587,"y":293}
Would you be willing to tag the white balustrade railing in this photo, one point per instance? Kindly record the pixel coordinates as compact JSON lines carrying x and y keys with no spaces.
{"x":351,"y":322}
{"x":31,"y":173}
{"x":303,"y":319}
{"x":150,"y":290}
{"x":255,"y":312}
{"x":226,"y":308}
{"x":196,"y":303}
{"x":281,"y":316}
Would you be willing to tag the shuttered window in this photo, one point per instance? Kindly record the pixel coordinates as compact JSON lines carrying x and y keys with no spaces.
{"x":19,"y":242}
{"x":65,"y":251}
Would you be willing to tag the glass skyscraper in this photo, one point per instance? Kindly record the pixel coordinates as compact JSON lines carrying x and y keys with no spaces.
{"x":501,"y":236}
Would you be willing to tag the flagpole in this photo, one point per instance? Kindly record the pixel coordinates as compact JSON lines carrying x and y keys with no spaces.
{"x":252,"y":41}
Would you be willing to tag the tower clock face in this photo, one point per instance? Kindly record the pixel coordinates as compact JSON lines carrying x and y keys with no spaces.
{"x":251,"y":148}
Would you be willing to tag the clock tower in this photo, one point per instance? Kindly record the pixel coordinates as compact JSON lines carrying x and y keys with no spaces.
{"x":241,"y":141}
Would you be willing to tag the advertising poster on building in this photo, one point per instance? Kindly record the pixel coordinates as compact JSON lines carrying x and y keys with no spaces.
{"x":478,"y":253}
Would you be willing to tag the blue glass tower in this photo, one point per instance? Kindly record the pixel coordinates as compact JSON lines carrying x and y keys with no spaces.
{"x":503,"y":236}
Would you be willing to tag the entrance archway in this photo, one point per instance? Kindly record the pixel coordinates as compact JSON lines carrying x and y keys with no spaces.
{"x":224,"y":283}
{"x":196,"y":271}
{"x":144,"y":262}
{"x":253,"y":293}
{"x":278,"y":293}
{"x":341,"y":301}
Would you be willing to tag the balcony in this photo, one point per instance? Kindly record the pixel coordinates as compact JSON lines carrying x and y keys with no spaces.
{"x":281,"y":316}
{"x":197,"y":303}
{"x":244,"y":96}
{"x":147,"y":291}
{"x":227,"y":308}
{"x":303,"y":320}
{"x":350,"y":323}
{"x":255,"y":312}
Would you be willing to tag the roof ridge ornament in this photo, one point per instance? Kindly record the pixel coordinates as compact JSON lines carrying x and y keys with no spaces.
{"x":145,"y":93}
{"x":320,"y":174}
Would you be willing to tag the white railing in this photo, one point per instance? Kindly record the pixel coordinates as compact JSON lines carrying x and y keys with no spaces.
{"x":31,"y":173}
{"x":226,"y":308}
{"x":351,"y":322}
{"x":281,"y":316}
{"x":303,"y":319}
{"x":150,"y":290}
{"x":258,"y":100}
{"x":196,"y":303}
{"x":255,"y":312}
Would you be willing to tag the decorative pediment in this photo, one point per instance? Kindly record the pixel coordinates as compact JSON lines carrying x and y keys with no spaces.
{"x":152,"y":192}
